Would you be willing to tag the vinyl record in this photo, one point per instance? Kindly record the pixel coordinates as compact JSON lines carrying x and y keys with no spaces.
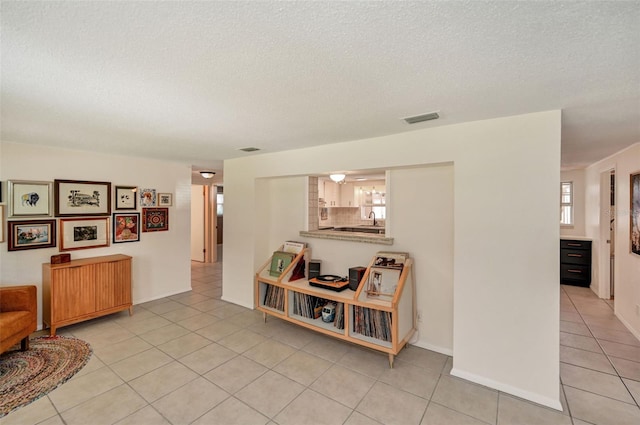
{"x":330,"y":278}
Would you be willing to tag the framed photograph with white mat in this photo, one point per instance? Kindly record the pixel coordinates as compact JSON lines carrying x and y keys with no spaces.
{"x":83,"y":233}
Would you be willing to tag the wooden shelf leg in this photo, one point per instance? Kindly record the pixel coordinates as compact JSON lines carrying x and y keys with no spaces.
{"x":131,"y":311}
{"x":391,"y":361}
{"x":264,"y":317}
{"x":52,"y":331}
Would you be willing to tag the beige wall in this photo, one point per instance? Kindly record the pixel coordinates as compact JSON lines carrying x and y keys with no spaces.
{"x":161,"y":263}
{"x":489,"y":289}
{"x":627,"y":264}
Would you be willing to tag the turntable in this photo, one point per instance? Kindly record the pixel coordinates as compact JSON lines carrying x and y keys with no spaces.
{"x":330,"y":281}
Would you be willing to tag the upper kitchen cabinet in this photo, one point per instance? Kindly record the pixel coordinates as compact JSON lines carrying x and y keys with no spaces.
{"x":331,"y":194}
{"x":371,"y":195}
{"x":337,"y":195}
{"x":348,"y":196}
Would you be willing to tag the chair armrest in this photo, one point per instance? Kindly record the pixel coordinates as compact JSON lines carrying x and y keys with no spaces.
{"x":19,"y":298}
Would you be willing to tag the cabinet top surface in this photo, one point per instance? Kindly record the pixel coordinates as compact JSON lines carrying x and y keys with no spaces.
{"x":90,"y":260}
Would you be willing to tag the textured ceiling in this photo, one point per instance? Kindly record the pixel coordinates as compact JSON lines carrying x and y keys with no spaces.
{"x":196,"y":81}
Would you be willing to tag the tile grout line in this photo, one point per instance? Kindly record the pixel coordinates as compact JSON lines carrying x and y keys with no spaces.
{"x":603,"y":352}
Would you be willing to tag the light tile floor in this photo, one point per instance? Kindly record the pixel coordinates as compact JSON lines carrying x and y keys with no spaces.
{"x":194,"y":359}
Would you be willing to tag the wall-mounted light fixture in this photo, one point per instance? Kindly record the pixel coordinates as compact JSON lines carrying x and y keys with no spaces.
{"x":337,"y":177}
{"x":207,"y":174}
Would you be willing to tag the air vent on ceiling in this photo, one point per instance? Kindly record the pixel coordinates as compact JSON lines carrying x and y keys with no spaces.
{"x":249,"y":149}
{"x":421,"y":118}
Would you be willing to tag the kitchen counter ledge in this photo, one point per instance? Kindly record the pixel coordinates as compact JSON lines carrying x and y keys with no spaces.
{"x":348,"y":236}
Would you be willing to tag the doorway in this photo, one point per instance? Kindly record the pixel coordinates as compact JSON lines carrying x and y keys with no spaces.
{"x":607,"y":235}
{"x":219,"y":220}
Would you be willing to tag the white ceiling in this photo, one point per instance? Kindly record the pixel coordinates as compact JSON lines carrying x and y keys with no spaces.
{"x":196,"y":81}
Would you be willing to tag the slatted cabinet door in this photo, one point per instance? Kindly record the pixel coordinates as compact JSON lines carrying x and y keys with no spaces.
{"x":113,"y":284}
{"x":74,"y":293}
{"x":85,"y":288}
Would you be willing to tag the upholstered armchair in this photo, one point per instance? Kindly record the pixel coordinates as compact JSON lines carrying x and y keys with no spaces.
{"x":18,"y":315}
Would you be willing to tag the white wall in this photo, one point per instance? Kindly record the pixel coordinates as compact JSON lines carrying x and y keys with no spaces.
{"x":505,"y":174}
{"x":161,"y":263}
{"x":627,"y":265}
{"x":578,"y":179}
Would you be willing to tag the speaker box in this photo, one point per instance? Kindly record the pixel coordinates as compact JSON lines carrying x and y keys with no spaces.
{"x":314,"y":268}
{"x":355,"y":276}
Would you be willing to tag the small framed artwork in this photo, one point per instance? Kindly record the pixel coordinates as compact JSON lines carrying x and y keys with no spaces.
{"x":155,"y":219}
{"x":635,"y":213}
{"x":32,"y":234}
{"x":126,"y":227}
{"x":81,"y":198}
{"x":383,"y":281}
{"x":126,"y":198}
{"x":83,"y":233}
{"x":29,"y":198}
{"x":165,"y":199}
{"x":1,"y":223}
{"x":148,"y":198}
{"x":279,"y":262}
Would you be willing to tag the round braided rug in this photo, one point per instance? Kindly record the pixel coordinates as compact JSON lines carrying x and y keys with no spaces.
{"x":26,"y":376}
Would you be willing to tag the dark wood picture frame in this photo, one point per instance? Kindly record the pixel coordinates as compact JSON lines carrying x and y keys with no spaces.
{"x":155,"y":219}
{"x":31,"y":234}
{"x":76,"y":198}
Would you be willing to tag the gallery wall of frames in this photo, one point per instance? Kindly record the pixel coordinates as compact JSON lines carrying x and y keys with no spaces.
{"x":79,"y":214}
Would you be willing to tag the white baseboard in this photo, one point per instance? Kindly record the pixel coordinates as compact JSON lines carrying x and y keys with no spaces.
{"x":518,"y":392}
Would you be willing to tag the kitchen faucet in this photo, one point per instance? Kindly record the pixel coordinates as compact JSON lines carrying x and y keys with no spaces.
{"x":375,"y":223}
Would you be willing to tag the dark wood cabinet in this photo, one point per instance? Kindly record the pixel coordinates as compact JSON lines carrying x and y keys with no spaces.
{"x":575,"y":262}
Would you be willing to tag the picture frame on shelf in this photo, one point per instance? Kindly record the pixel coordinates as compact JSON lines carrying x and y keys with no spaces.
{"x":165,"y":199}
{"x":126,"y":227}
{"x":383,"y":281}
{"x":148,"y":198}
{"x":279,"y":262}
{"x":155,"y":219}
{"x":31,"y":234}
{"x":634,"y":231}
{"x":84,"y":233}
{"x":28,"y":198}
{"x":126,"y":198}
{"x":75,"y":198}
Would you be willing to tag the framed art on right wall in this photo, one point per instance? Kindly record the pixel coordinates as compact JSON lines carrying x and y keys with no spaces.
{"x":634,"y":233}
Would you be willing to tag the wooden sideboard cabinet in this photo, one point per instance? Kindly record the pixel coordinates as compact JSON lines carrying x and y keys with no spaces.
{"x":84,"y":289}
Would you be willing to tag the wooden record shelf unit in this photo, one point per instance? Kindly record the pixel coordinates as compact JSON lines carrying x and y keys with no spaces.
{"x":383,"y":323}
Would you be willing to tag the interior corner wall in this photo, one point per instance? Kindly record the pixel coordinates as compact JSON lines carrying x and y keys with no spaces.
{"x":627,"y":264}
{"x":504,"y":254}
{"x":578,"y":179}
{"x":161,"y":260}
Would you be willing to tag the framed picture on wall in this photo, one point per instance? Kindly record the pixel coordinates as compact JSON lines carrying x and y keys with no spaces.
{"x":126,"y":198}
{"x":148,"y":198}
{"x":1,"y":223}
{"x":126,"y":227}
{"x":31,"y":234}
{"x":635,"y":213}
{"x":29,"y":198}
{"x":82,"y":233}
{"x":165,"y":199}
{"x":155,"y":219}
{"x":81,"y":198}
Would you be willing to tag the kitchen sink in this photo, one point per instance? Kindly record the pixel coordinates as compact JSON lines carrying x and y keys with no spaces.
{"x":361,"y":229}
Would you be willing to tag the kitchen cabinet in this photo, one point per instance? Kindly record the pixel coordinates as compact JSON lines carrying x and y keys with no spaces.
{"x":575,"y":262}
{"x":84,"y":289}
{"x":348,"y":196}
{"x":331,"y":194}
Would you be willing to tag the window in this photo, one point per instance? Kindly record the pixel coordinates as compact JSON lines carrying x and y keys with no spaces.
{"x":566,"y":203}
